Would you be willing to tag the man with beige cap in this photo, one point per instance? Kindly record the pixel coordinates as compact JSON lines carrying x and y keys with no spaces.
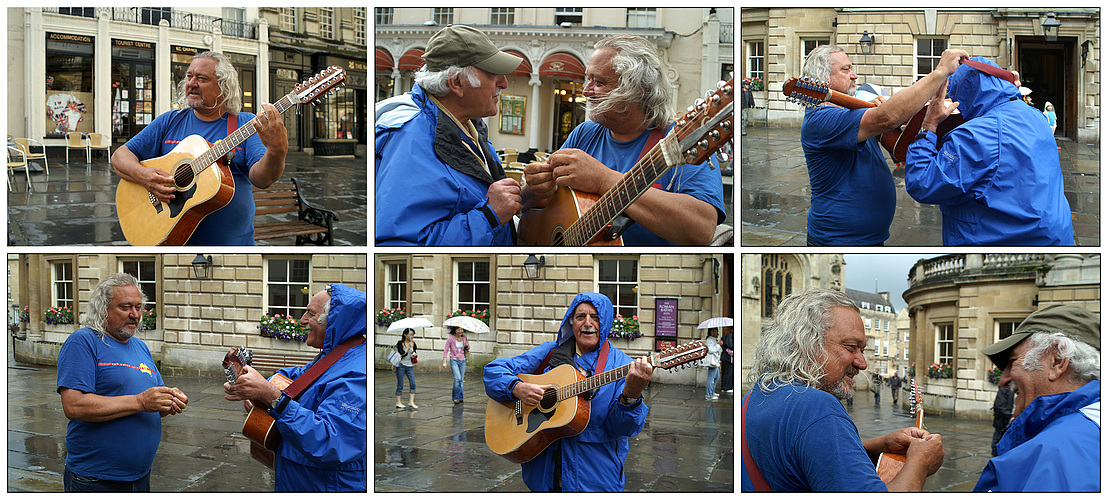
{"x":438,"y":178}
{"x":1052,"y":362}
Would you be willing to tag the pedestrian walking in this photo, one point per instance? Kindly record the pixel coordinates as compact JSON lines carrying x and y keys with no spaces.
{"x":457,"y":346}
{"x":727,"y":364}
{"x":712,"y":362}
{"x":1003,"y":405}
{"x":894,"y":384}
{"x":747,"y":103}
{"x":406,"y":346}
{"x":875,"y":386}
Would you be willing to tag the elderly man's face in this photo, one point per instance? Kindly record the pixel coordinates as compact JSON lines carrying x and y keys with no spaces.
{"x":842,"y":73}
{"x":317,"y":332}
{"x":600,"y":80}
{"x":484,"y":100}
{"x":844,"y":345}
{"x":124,"y":312}
{"x":1027,"y":385}
{"x":201,"y":83}
{"x":585,"y":324}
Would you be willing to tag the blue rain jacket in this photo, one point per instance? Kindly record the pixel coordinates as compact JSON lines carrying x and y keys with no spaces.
{"x":592,"y":460}
{"x":996,"y":177}
{"x":429,"y":187}
{"x":1054,"y":445}
{"x":323,"y":433}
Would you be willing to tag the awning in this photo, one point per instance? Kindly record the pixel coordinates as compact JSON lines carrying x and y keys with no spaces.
{"x":563,"y":65}
{"x":524,"y":69}
{"x":412,"y":60}
{"x":384,"y":61}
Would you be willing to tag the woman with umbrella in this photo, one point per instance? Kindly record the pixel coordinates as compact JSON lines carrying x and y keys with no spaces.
{"x":406,"y":346}
{"x":457,"y":346}
{"x":712,"y":360}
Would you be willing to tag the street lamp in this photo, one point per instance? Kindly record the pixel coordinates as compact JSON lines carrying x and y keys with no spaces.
{"x":532,"y":265}
{"x":200,"y":266}
{"x":1051,"y":27}
{"x":866,"y":42}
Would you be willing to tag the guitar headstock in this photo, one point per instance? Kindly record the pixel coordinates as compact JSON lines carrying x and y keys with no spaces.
{"x":320,"y":85}
{"x":680,"y":355}
{"x":708,"y":124}
{"x":805,"y":91}
{"x":915,"y":399}
{"x":236,"y":358}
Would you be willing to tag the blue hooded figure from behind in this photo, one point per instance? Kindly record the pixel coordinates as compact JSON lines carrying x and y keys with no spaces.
{"x":996,"y":178}
{"x":592,"y":460}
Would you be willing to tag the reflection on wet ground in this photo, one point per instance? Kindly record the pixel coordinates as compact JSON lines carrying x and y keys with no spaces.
{"x":75,"y":203}
{"x":775,"y":195}
{"x":686,"y":445}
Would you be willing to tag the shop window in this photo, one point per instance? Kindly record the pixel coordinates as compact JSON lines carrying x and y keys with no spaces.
{"x":69,"y":83}
{"x":335,"y":117}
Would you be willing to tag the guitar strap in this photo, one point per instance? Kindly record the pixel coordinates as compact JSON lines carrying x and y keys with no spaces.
{"x":600,"y":362}
{"x":760,"y":484}
{"x":232,"y":125}
{"x":1003,"y":74}
{"x":304,"y":380}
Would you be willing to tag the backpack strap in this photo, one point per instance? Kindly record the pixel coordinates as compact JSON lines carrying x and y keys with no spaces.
{"x":760,"y":484}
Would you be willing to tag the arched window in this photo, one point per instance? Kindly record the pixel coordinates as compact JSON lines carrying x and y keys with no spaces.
{"x":777,"y":282}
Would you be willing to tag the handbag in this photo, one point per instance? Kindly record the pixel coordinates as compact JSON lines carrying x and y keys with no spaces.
{"x":394,"y":357}
{"x":414,"y":358}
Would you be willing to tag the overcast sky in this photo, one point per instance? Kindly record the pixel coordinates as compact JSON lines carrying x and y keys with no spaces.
{"x":889,"y":270}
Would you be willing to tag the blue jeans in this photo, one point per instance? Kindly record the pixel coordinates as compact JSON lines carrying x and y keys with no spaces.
{"x":458,"y":368}
{"x":75,"y":482}
{"x":710,"y":389}
{"x":401,"y":371}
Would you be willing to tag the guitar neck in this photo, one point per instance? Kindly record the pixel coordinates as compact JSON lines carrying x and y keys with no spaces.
{"x":599,"y":380}
{"x":221,"y":148}
{"x":846,"y":101}
{"x":633,"y":184}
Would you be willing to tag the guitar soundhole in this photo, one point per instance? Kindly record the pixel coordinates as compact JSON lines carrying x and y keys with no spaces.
{"x":549,"y":399}
{"x":559,"y":239}
{"x":183,"y":175}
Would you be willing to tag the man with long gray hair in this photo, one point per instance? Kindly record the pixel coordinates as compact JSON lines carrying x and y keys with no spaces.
{"x":112,"y":394}
{"x":438,"y":179}
{"x":211,"y":100}
{"x":796,"y":434}
{"x":1052,"y":364}
{"x":853,"y":193}
{"x":630,"y":105}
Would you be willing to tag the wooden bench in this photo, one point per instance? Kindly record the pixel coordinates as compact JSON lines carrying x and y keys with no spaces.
{"x":268,"y":362}
{"x":312,"y":225}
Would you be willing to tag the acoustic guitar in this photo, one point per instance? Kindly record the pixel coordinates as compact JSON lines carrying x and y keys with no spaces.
{"x":201,"y":177}
{"x":259,"y":427}
{"x":889,"y":464}
{"x":519,"y":432}
{"x":575,"y":218}
{"x":810,"y":93}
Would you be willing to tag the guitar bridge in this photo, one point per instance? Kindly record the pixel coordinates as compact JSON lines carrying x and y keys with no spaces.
{"x":154,"y":201}
{"x":519,"y":412}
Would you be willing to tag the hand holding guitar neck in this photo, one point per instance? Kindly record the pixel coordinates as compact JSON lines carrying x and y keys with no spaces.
{"x":251,"y":386}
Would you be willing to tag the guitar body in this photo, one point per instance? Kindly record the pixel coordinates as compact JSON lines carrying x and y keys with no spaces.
{"x":261,"y":429}
{"x":897,"y":141}
{"x":547,"y":226}
{"x":889,"y":464}
{"x":521,"y":441}
{"x":146,"y":222}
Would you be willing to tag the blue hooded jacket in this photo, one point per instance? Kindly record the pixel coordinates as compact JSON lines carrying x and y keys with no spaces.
{"x":323,"y":433}
{"x":592,"y":460}
{"x":996,"y":177}
{"x":429,"y":188}
{"x":1054,"y":445}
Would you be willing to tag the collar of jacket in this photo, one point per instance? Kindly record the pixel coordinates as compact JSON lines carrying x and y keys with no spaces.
{"x":451,"y":149}
{"x":1044,"y":410}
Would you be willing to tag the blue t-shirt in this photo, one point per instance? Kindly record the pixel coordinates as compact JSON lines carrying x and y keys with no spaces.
{"x":234,"y":223}
{"x":699,"y":181}
{"x":853,"y":194}
{"x":801,"y":439}
{"x":121,"y":449}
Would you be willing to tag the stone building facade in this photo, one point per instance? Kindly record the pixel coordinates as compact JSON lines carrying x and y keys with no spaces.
{"x":959,"y":304}
{"x":879,"y":321}
{"x":907,"y":43}
{"x":525,"y":312}
{"x":198,"y":320}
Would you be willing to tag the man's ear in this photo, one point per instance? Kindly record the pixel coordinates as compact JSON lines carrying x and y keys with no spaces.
{"x":1058,"y":366}
{"x":456,"y":86}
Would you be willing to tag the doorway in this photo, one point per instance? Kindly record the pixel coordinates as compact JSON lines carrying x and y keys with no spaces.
{"x":1047,"y":68}
{"x":569,"y":110}
{"x":132,"y":91}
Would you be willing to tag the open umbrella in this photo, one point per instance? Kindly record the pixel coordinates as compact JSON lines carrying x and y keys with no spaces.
{"x":716,"y":323}
{"x":467,"y":323}
{"x":400,"y":325}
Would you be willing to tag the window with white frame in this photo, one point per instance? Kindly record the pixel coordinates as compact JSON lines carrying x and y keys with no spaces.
{"x":287,"y":285}
{"x":359,"y":25}
{"x":869,"y":323}
{"x":571,"y":15}
{"x":756,"y":59}
{"x":502,"y":16}
{"x":618,"y":279}
{"x":327,"y":23}
{"x":944,"y":343}
{"x":396,"y":285}
{"x":905,"y":354}
{"x":442,"y":15}
{"x":472,"y":279}
{"x":885,"y":349}
{"x":642,"y":17}
{"x":886,"y":325}
{"x":146,"y":272}
{"x":1003,"y":328}
{"x":810,"y":44}
{"x":928,"y":53}
{"x":61,"y":279}
{"x":383,"y":15}
{"x":287,"y":18}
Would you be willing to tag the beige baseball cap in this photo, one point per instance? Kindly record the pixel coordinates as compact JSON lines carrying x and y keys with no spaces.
{"x":1075,"y":322}
{"x":461,"y":45}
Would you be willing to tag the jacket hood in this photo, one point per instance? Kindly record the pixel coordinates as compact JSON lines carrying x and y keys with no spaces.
{"x":347,"y":318}
{"x":603,"y":308}
{"x":978,"y":92}
{"x":1046,"y":409}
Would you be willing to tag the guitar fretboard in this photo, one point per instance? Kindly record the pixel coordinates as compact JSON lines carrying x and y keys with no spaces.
{"x":599,"y":380}
{"x":221,"y":148}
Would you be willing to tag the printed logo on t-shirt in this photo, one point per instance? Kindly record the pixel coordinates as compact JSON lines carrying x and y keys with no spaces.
{"x":141,"y":367}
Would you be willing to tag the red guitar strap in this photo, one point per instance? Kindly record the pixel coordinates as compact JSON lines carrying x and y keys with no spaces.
{"x":760,"y":484}
{"x":655,"y":136}
{"x":1003,"y":74}
{"x":304,"y":380}
{"x":232,"y":125}
{"x":600,"y":362}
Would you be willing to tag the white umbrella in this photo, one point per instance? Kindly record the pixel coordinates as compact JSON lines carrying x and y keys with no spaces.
{"x":467,"y":323}
{"x":716,"y":323}
{"x":400,"y":325}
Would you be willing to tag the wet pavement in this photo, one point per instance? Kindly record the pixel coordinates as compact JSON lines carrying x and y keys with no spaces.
{"x":966,"y":441}
{"x":686,"y":445}
{"x":75,"y":203}
{"x":775,"y":194}
{"x":201,"y":450}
